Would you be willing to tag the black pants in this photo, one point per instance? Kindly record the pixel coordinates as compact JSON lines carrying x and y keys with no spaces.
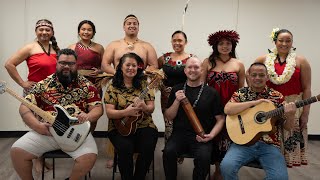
{"x":143,"y":142}
{"x":180,"y":143}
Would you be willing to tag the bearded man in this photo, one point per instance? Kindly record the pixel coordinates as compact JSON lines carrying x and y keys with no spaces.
{"x":78,"y":97}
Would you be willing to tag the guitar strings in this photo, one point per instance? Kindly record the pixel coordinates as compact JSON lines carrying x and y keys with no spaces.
{"x":60,"y":126}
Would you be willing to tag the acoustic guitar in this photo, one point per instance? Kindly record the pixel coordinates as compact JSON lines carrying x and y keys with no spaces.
{"x":128,"y":125}
{"x":66,"y":130}
{"x":249,"y":125}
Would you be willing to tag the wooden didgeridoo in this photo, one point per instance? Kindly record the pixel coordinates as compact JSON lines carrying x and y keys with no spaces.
{"x":188,"y":109}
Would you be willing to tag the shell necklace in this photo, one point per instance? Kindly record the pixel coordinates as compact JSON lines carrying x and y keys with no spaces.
{"x":130,"y":45}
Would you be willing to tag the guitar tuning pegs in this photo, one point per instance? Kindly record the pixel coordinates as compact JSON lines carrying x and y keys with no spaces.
{"x":2,"y":87}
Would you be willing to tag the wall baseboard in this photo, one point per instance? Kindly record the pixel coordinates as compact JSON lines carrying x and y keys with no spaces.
{"x":314,"y":137}
{"x":97,"y":134}
{"x":104,"y":134}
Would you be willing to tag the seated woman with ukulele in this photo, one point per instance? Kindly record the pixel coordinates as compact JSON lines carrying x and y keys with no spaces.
{"x":129,"y":104}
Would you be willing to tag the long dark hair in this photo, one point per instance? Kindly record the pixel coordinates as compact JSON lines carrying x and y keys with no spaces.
{"x":118,"y":77}
{"x":52,"y":39}
{"x":90,"y":23}
{"x":215,"y":53}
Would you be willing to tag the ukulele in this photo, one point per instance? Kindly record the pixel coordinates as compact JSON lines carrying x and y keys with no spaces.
{"x":128,"y":125}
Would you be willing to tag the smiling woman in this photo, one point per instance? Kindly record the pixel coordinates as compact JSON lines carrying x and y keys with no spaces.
{"x":89,"y":53}
{"x":40,"y":56}
{"x":286,"y":70}
{"x":224,"y":72}
{"x":173,"y":64}
{"x":129,"y":98}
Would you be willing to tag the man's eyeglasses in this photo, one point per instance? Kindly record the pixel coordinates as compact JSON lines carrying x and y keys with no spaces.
{"x":64,"y":63}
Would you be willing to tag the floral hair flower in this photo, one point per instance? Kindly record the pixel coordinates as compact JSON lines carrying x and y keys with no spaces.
{"x":274,"y":34}
{"x":230,"y":35}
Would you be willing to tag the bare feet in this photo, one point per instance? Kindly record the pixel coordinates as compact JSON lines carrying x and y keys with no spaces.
{"x":109,"y":163}
{"x":38,"y":165}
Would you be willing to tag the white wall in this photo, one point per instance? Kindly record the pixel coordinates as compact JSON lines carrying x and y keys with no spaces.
{"x":253,"y":19}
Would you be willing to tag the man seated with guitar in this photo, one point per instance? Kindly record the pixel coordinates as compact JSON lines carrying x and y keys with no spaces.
{"x":205,"y":103}
{"x":129,"y":104}
{"x":266,"y":149}
{"x":78,"y":99}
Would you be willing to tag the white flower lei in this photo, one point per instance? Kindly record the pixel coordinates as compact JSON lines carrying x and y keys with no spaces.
{"x":288,"y":70}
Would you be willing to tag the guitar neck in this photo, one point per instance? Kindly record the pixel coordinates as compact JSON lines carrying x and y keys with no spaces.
{"x":279,"y":111}
{"x":144,"y":93}
{"x":45,"y":115}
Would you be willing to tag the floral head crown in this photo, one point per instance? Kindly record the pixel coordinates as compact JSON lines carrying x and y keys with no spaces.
{"x":231,"y":35}
{"x":274,"y":34}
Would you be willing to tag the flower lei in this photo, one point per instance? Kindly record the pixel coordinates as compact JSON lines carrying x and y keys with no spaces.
{"x":177,"y":63}
{"x":288,"y":70}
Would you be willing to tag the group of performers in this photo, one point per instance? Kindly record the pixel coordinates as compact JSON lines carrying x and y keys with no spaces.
{"x":215,"y":88}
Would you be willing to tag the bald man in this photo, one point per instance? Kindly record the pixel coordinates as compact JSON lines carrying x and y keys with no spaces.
{"x":206,"y":104}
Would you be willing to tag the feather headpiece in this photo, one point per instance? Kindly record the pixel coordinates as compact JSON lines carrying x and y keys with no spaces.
{"x":230,"y":35}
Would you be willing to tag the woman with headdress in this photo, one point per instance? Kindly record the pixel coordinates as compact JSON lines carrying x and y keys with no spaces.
{"x":122,"y":99}
{"x":40,"y":56}
{"x":290,"y":74}
{"x":226,"y":74}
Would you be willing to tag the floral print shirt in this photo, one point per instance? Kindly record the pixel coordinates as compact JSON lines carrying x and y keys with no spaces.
{"x":123,"y":97}
{"x":77,"y":97}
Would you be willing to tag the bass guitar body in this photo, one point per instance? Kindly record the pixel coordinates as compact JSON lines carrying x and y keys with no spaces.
{"x":67,"y":131}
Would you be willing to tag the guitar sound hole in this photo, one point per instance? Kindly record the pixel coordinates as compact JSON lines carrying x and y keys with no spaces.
{"x":260,"y":118}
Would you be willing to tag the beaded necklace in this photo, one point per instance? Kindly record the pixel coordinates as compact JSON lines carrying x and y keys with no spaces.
{"x":199,"y":94}
{"x":84,"y":46}
{"x":44,"y":50}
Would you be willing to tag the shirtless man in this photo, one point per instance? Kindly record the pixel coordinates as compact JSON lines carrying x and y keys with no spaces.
{"x":130,"y":43}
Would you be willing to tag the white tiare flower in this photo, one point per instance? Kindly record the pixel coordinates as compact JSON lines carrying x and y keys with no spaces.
{"x":273,"y":33}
